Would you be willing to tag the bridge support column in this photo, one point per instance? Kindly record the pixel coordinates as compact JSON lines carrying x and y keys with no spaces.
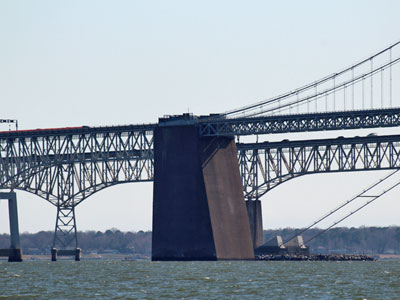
{"x":199,"y":211}
{"x":65,"y":235}
{"x":76,"y":253}
{"x":255,"y":220}
{"x":14,"y":253}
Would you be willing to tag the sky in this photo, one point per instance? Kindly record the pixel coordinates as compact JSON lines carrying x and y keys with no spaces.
{"x":96,"y":63}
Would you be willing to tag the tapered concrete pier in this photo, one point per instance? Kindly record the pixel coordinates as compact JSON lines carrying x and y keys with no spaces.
{"x":199,"y":211}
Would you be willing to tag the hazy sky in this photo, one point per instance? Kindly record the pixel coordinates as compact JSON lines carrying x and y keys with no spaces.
{"x":72,"y":63}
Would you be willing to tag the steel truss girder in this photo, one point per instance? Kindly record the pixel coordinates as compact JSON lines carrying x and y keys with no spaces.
{"x":65,"y":167}
{"x":70,"y":167}
{"x":266,"y":165}
{"x":302,"y":122}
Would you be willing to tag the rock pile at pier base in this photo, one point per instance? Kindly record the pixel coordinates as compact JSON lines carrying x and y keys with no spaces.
{"x":315,"y":257}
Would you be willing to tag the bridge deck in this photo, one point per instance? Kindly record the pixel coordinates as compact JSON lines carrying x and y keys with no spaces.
{"x":373,"y":118}
{"x":42,"y":132}
{"x":373,"y":139}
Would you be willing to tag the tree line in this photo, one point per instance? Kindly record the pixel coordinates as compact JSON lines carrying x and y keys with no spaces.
{"x":342,"y":240}
{"x":89,"y":241}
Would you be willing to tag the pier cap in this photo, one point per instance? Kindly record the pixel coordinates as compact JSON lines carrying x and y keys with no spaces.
{"x":185,"y":119}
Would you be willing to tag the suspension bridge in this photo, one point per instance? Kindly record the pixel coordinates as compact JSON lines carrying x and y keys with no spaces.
{"x":201,"y":175}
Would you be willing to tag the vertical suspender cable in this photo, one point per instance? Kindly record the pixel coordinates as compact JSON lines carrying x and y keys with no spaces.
{"x":316,"y":99}
{"x":352,"y":88}
{"x":390,"y":82}
{"x":248,"y":110}
{"x":372,"y":83}
{"x":326,"y":102}
{"x":334,"y":93}
{"x":363,"y":93}
{"x":279,"y":106}
{"x":382,"y":88}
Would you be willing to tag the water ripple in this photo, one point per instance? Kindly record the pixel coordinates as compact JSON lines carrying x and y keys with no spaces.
{"x":199,"y":280}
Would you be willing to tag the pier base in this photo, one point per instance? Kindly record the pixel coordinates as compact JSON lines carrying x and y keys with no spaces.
{"x":14,"y":255}
{"x":76,"y":253}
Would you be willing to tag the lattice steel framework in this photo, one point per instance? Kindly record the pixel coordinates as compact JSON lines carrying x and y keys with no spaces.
{"x":301,"y":122}
{"x":65,"y":166}
{"x":266,"y":165}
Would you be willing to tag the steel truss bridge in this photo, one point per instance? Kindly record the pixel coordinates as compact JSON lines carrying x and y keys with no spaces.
{"x":302,"y":122}
{"x":264,"y":166}
{"x":65,"y":166}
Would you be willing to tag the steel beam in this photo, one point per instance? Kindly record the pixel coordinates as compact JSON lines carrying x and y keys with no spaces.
{"x":301,"y":122}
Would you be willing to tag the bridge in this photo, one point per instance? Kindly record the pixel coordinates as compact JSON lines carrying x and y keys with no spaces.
{"x":197,"y":168}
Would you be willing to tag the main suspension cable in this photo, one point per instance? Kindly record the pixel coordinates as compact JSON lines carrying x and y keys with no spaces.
{"x":353,"y":212}
{"x":359,"y":195}
{"x":375,"y":197}
{"x":245,"y":109}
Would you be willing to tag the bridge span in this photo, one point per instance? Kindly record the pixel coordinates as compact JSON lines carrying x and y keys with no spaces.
{"x":66,"y":166}
{"x":198,"y":170}
{"x":266,"y":165}
{"x":70,"y":164}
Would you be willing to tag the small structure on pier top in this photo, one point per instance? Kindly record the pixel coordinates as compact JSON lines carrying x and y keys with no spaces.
{"x":276,"y":246}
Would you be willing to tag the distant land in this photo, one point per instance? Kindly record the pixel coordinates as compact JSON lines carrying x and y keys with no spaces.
{"x":363,"y":240}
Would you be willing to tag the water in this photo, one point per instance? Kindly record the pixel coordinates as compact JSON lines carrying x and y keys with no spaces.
{"x":199,"y":280}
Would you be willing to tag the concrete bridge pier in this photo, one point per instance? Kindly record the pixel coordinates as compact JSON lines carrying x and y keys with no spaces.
{"x":255,"y":220}
{"x":55,"y":253}
{"x":14,"y":253}
{"x":199,"y":211}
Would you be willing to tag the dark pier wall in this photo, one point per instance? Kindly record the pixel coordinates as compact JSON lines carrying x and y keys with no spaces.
{"x":198,"y":210}
{"x":255,"y":219}
{"x":181,"y":220}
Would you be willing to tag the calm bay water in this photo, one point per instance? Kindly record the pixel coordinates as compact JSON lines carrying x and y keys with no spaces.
{"x":199,"y":280}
